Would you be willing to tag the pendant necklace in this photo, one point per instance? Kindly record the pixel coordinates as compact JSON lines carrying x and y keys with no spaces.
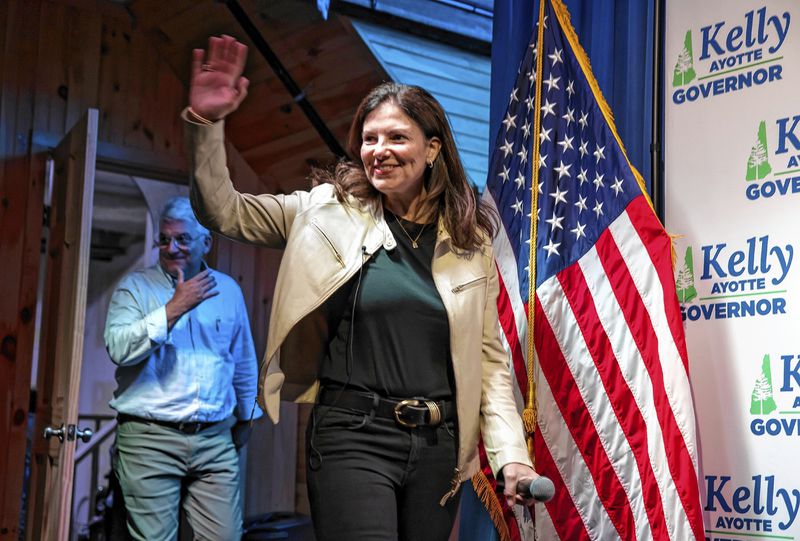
{"x":414,"y":239}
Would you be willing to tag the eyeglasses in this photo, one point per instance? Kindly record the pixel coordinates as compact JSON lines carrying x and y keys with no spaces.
{"x":182,"y":241}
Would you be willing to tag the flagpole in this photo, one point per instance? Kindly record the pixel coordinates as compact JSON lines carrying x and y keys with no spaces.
{"x":529,"y":415}
{"x":657,"y":111}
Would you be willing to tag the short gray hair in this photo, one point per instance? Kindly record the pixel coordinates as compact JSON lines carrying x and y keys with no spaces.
{"x":180,"y":209}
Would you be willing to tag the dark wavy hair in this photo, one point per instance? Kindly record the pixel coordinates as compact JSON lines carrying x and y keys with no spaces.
{"x":448,"y":193}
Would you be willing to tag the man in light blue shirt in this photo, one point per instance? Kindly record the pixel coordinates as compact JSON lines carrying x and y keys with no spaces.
{"x":186,"y":376}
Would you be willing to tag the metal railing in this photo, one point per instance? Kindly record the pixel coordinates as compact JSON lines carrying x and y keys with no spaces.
{"x":104,"y":426}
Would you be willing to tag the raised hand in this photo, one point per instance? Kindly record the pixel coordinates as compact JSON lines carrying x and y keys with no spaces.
{"x":189,"y":294}
{"x":217,"y":86}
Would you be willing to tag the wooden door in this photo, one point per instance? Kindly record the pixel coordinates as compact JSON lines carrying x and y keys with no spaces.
{"x":63,"y":318}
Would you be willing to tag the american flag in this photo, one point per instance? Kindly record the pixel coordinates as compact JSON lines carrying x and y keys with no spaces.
{"x":615,"y":429}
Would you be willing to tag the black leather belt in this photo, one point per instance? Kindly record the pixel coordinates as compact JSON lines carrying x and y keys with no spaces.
{"x":185,"y":427}
{"x":411,"y":412}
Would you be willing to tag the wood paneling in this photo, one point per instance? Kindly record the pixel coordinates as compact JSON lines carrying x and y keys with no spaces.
{"x":270,"y":467}
{"x":20,"y":226}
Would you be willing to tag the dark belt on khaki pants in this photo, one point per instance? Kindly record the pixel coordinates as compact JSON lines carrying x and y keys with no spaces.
{"x":185,"y":427}
{"x":410,"y":412}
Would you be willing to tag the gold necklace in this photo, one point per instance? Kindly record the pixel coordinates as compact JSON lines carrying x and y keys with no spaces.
{"x":413,"y":240}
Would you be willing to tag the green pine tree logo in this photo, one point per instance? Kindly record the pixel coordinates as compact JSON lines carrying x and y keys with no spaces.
{"x":758,"y":165}
{"x":684,"y":68}
{"x":761,"y":401}
{"x":684,"y":281}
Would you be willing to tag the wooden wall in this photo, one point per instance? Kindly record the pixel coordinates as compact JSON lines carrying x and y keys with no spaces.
{"x":57,"y":58}
{"x":270,"y":462}
{"x":61,"y":57}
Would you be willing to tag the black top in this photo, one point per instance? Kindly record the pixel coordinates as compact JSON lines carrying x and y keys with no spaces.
{"x":400,"y":340}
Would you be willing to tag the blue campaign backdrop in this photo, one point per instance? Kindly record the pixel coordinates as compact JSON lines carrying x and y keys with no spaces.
{"x":617,"y":35}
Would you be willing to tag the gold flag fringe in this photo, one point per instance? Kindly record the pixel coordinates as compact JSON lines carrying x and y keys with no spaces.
{"x":673,"y":237}
{"x":488,"y":497}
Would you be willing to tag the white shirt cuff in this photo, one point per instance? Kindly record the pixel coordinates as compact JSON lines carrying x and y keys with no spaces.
{"x":156,"y":322}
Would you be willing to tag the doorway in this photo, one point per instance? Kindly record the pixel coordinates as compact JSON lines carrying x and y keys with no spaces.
{"x":124,"y":219}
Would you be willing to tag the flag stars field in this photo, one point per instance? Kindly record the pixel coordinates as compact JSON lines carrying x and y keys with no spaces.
{"x":564,"y":173}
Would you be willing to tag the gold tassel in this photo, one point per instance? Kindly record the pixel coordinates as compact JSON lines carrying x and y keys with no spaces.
{"x":529,"y":420}
{"x":487,"y":496}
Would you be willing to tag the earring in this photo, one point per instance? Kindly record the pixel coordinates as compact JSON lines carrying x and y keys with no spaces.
{"x":430,"y":164}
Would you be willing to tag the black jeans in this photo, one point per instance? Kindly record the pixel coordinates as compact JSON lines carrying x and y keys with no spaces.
{"x":372,"y":479}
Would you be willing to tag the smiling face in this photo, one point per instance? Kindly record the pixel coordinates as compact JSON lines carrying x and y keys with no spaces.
{"x":181,"y":246}
{"x":394,"y":151}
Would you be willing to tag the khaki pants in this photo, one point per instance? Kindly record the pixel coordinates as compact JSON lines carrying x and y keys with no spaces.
{"x":161,"y":468}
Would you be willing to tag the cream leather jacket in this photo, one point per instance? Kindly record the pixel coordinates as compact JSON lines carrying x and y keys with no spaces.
{"x":325,"y":243}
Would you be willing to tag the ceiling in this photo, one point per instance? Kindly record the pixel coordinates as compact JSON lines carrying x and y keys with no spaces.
{"x":326,"y":59}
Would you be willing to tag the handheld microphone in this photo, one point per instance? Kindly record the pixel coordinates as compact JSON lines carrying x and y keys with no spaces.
{"x":540,"y":489}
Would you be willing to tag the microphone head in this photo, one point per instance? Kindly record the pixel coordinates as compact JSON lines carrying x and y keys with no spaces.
{"x":540,"y":489}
